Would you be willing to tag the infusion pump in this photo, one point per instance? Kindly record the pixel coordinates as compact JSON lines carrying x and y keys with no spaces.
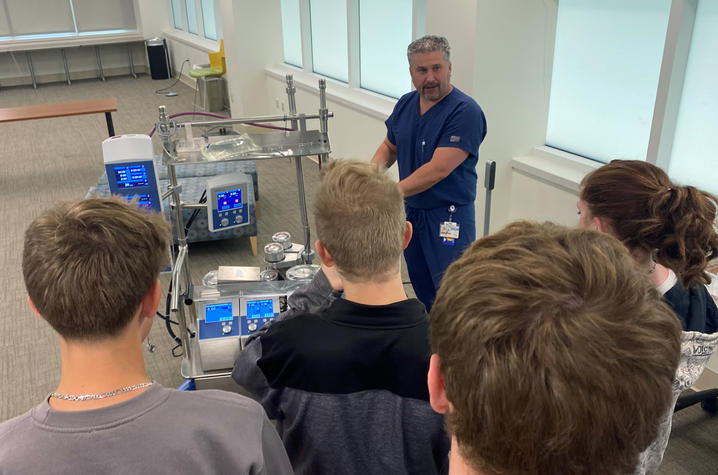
{"x":131,"y":170}
{"x":226,"y":320}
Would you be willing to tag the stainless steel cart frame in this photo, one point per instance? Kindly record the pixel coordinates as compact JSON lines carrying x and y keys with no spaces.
{"x":296,"y":142}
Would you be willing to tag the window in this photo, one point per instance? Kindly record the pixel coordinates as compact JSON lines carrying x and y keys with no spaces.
{"x":607,"y":60}
{"x":191,"y":8}
{"x":693,"y":158}
{"x":329,"y":28}
{"x":63,"y":18}
{"x":635,"y":79}
{"x":359,"y":42}
{"x":291,"y":33}
{"x":384,"y":23}
{"x":198,"y":17}
{"x":208,"y":20}
{"x":177,"y":15}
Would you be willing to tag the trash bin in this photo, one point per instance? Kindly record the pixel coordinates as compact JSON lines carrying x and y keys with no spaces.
{"x":212,"y":91}
{"x":159,"y":58}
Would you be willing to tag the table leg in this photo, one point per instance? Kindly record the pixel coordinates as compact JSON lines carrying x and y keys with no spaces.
{"x":67,"y":70}
{"x":132,"y":61}
{"x":32,"y":70}
{"x":99,"y":63}
{"x":110,"y":127}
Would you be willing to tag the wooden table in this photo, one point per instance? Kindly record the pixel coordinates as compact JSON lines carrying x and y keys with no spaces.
{"x":47,"y":111}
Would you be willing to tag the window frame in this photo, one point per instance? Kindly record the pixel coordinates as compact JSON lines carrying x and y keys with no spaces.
{"x":669,"y":90}
{"x":670,"y":81}
{"x":564,"y":169}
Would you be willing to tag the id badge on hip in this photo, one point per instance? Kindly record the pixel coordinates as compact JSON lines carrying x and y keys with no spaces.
{"x":449,"y":230}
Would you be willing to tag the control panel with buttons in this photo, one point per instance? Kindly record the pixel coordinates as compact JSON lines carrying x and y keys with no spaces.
{"x":227,"y":197}
{"x":228,"y":315}
{"x":257,"y":311}
{"x":218,"y":332}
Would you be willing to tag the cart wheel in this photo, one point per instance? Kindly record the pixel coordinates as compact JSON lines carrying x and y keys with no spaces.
{"x":710,"y":405}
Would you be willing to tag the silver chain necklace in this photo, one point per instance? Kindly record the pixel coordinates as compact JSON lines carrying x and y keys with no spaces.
{"x":92,"y":397}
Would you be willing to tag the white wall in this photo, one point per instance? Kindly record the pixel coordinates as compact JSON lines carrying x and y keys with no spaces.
{"x":152,"y":17}
{"x":456,"y":20}
{"x":534,"y":199}
{"x":512,"y":84}
{"x":181,"y":51}
{"x":253,"y":41}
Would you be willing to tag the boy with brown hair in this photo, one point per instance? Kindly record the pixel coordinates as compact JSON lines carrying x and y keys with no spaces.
{"x":91,"y":271}
{"x":553,"y":353}
{"x":345,"y":378}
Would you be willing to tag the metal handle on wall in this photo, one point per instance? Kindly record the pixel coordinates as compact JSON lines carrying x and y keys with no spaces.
{"x":489,"y":182}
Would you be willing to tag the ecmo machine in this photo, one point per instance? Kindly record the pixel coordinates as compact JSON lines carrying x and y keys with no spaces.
{"x":216,"y":320}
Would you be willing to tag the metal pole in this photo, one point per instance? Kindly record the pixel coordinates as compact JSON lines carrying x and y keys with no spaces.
{"x":308,"y":254}
{"x":110,"y":126}
{"x":177,"y":307}
{"x":99,"y":64}
{"x":259,"y":119}
{"x":67,"y":70}
{"x":291,"y":98}
{"x":31,"y":68}
{"x":132,"y":60}
{"x":323,"y":117}
{"x":489,"y":181}
{"x":166,"y":128}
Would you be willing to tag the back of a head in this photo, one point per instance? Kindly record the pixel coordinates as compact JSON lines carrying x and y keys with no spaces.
{"x":557,"y":353}
{"x":360,"y":219}
{"x":647,"y":211}
{"x":88,"y":264}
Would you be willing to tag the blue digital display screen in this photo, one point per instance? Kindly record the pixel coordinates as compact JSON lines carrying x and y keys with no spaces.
{"x":260,"y":309}
{"x":230,"y":199}
{"x":219,"y":312}
{"x":131,"y":176}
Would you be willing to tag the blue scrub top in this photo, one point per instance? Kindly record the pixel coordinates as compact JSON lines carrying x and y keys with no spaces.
{"x":455,"y":121}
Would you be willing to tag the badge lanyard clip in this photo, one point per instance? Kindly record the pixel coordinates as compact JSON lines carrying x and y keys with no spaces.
{"x":449,"y":230}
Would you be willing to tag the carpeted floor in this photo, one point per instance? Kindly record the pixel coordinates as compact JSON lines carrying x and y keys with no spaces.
{"x":51,"y":160}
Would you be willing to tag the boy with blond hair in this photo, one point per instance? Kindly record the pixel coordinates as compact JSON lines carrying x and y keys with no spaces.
{"x":345,"y":378}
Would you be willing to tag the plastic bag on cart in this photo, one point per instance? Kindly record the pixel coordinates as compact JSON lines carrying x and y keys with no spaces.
{"x":230,"y":148}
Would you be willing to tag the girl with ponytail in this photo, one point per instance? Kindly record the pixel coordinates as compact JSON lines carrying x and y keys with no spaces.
{"x":669,"y":229}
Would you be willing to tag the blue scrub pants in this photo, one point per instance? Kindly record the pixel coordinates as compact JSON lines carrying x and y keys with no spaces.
{"x":427,"y":257}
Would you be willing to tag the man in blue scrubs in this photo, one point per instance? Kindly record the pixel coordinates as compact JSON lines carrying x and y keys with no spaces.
{"x":434,"y":135}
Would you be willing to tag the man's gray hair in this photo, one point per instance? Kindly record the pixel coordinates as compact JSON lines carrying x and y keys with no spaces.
{"x":428,"y":44}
